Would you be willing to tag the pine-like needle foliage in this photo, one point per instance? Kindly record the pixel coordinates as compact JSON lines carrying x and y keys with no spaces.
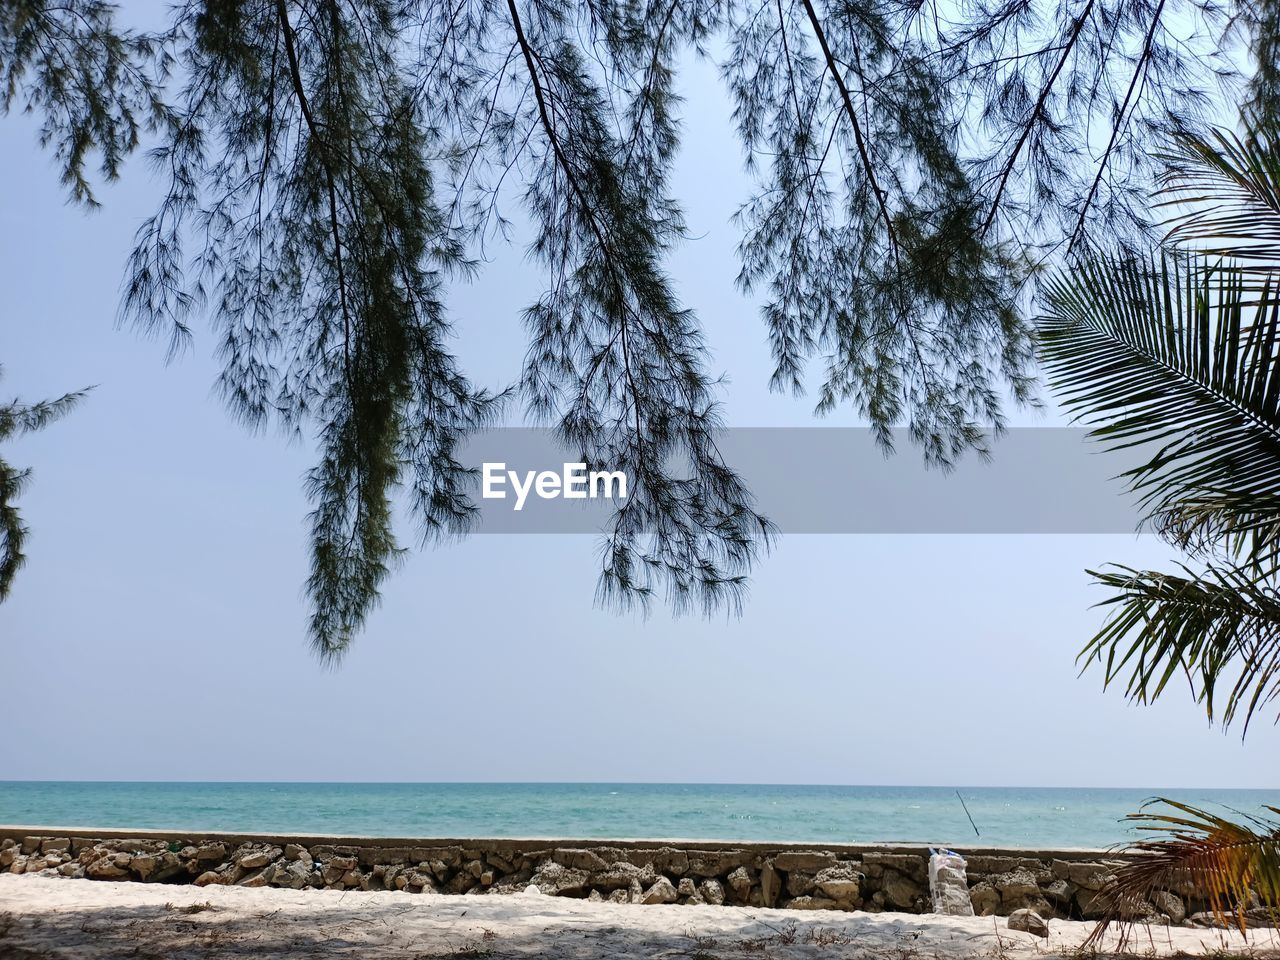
{"x":332,"y":163}
{"x":17,"y":418}
{"x":1180,"y":355}
{"x":1225,"y":861}
{"x":94,"y":85}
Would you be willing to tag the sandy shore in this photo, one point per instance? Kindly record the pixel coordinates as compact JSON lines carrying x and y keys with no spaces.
{"x":45,"y":917}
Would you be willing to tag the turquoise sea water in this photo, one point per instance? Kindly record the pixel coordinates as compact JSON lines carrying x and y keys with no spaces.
{"x":1006,"y":816}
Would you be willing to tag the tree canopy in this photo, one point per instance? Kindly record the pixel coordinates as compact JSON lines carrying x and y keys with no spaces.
{"x":329,"y":164}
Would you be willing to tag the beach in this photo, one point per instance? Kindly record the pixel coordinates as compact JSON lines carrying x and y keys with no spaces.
{"x":53,"y":917}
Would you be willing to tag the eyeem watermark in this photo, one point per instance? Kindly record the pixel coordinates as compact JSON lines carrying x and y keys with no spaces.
{"x":573,"y":482}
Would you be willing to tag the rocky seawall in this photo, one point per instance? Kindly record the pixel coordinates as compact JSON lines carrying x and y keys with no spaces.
{"x":1060,"y":884}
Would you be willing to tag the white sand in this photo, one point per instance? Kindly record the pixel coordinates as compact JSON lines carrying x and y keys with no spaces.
{"x":47,"y":917}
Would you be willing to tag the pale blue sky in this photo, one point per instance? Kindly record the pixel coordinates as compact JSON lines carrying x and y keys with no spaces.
{"x":158,"y":630}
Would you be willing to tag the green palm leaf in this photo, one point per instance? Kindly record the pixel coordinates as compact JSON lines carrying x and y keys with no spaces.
{"x":1176,"y":356}
{"x":1219,"y":629}
{"x":1223,"y":859}
{"x":1228,"y":188}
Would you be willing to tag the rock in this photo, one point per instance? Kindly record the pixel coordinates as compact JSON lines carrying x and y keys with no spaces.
{"x":144,"y":864}
{"x":486,"y":878}
{"x":900,"y":892}
{"x":7,"y":856}
{"x":254,"y":859}
{"x":810,"y":860}
{"x":55,"y":844}
{"x":211,"y":851}
{"x":342,"y":863}
{"x":799,"y":883}
{"x":713,"y":891}
{"x":1059,"y":892}
{"x":595,"y":896}
{"x":635,"y":893}
{"x":1171,"y":905}
{"x":841,"y":883}
{"x":661,"y":892}
{"x":1015,"y":885}
{"x":713,"y":863}
{"x":576,"y":859}
{"x":1089,"y":876}
{"x":770,"y":884}
{"x":556,"y":880}
{"x":293,"y":851}
{"x":30,"y":845}
{"x":909,"y":865}
{"x":208,"y":877}
{"x":686,"y":887}
{"x":104,"y":868}
{"x":257,"y":878}
{"x":620,"y":896}
{"x":620,"y":875}
{"x":1028,"y":921}
{"x":740,"y":883}
{"x":811,"y":903}
{"x":985,"y":899}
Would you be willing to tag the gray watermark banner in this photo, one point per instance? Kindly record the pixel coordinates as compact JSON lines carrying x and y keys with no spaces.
{"x":828,"y":480}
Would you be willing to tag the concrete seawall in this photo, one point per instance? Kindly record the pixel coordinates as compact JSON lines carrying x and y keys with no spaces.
{"x":872,"y":877}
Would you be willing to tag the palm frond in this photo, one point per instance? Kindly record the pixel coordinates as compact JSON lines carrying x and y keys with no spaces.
{"x":1220,"y":630}
{"x":1229,"y":190}
{"x":1221,"y":859}
{"x":1178,"y":356}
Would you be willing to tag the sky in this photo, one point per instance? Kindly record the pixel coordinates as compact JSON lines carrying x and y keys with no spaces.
{"x":158,"y":630}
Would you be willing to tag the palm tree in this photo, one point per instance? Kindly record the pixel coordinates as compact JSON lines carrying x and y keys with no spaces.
{"x":1177,"y":355}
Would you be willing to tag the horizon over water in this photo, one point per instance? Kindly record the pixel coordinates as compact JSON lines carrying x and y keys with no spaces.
{"x":1005,"y":816}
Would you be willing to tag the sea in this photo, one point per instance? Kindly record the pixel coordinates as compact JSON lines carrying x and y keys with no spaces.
{"x":941,"y":815}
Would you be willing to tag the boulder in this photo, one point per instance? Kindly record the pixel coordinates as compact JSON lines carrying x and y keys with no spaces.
{"x":254,"y":859}
{"x":799,"y":883}
{"x":739,"y":881}
{"x":770,"y":884}
{"x":841,"y":883}
{"x":208,"y":877}
{"x":663,"y":891}
{"x":1089,"y":876}
{"x":577,"y":859}
{"x":556,"y":880}
{"x":144,"y":864}
{"x":985,"y":899}
{"x":1028,"y":921}
{"x":713,"y":863}
{"x":910,"y":865}
{"x":810,"y":860}
{"x":620,"y":875}
{"x":1015,"y":885}
{"x":1171,"y":905}
{"x":713,"y":892}
{"x":211,"y":851}
{"x":900,"y":891}
{"x":686,"y":887}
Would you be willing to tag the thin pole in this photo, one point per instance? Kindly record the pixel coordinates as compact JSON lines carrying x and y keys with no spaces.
{"x":968,"y":814}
